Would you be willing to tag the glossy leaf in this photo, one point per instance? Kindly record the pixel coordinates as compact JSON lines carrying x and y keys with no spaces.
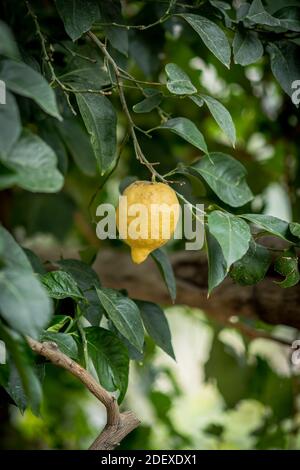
{"x":100,"y":120}
{"x":65,"y":342}
{"x":232,"y":233}
{"x":222,"y":117}
{"x":25,"y":81}
{"x":187,"y":130}
{"x":124,"y":314}
{"x":225,"y":176}
{"x":178,"y":81}
{"x":212,"y":35}
{"x":247,"y":48}
{"x":34,"y":164}
{"x":287,"y":266}
{"x":270,"y":224}
{"x":110,"y":359}
{"x":60,"y":285}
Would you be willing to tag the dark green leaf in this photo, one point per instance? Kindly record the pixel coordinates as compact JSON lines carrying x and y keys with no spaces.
{"x":247,"y":48}
{"x":216,"y":263}
{"x":295,"y":229}
{"x":11,"y":253}
{"x":153,"y":100}
{"x":36,"y":264}
{"x":157,"y":326}
{"x":178,"y":82}
{"x":35,"y":164}
{"x":101,"y":120}
{"x":165,"y":267}
{"x":111,"y":13}
{"x":222,"y":117}
{"x":289,"y":18}
{"x":124,"y":314}
{"x":110,"y":359}
{"x":10,"y":124}
{"x":284,"y":64}
{"x":213,"y":37}
{"x":271,"y":224}
{"x":65,"y":342}
{"x":232,"y":233}
{"x":77,"y":15}
{"x":225,"y":176}
{"x":287,"y":266}
{"x":61,"y":285}
{"x":84,"y":275}
{"x":253,"y":266}
{"x":258,"y":15}
{"x":8,"y":45}
{"x":187,"y":130}
{"x":22,"y":79}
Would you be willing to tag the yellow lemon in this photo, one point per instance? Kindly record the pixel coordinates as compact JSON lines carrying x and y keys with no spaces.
{"x":147,"y":216}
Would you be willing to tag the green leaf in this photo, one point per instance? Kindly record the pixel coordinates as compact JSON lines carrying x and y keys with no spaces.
{"x":216,"y":263}
{"x":10,"y":124}
{"x":162,"y":260}
{"x":197,"y":100}
{"x":36,"y":264}
{"x":23,"y":301}
{"x":110,"y":359}
{"x":124,"y":314}
{"x":157,"y":326}
{"x":25,"y":81}
{"x":295,"y":229}
{"x":60,"y":285}
{"x":65,"y":342}
{"x":78,"y":15}
{"x":23,"y":384}
{"x":82,"y":273}
{"x":187,"y":130}
{"x":111,"y":13}
{"x":178,"y":82}
{"x":152,"y":100}
{"x":247,"y":48}
{"x":253,"y":266}
{"x":222,"y":117}
{"x":101,"y":121}
{"x":77,"y":142}
{"x":213,"y":37}
{"x":289,"y":18}
{"x":271,"y":224}
{"x":284,"y":64}
{"x":58,"y":322}
{"x":258,"y":15}
{"x":93,"y":311}
{"x":232,"y":233}
{"x":8,"y":45}
{"x":225,"y":176}
{"x":287,"y":266}
{"x":34,"y":163}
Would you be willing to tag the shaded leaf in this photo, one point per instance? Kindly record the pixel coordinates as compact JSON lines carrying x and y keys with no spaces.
{"x":253,"y":266}
{"x":216,"y":263}
{"x":271,"y":224}
{"x":287,"y":266}
{"x":247,"y":48}
{"x":284,"y":64}
{"x":8,"y":45}
{"x":258,"y":15}
{"x":77,"y":15}
{"x":222,"y":117}
{"x":60,"y":285}
{"x":110,"y":359}
{"x":111,"y":13}
{"x":10,"y":124}
{"x":152,"y":100}
{"x":82,"y":273}
{"x":165,"y":267}
{"x":157,"y":326}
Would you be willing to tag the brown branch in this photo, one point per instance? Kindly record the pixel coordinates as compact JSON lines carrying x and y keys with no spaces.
{"x":118,"y":424}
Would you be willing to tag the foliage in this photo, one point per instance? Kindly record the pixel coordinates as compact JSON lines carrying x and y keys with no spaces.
{"x":93,"y":89}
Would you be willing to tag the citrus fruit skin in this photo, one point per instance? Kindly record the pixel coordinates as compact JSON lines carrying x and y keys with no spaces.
{"x":155,"y":199}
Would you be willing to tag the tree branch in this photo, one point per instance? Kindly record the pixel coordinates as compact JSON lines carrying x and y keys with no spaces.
{"x":118,"y":424}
